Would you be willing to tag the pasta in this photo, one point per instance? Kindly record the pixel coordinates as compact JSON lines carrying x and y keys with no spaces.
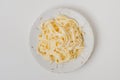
{"x":60,"y":40}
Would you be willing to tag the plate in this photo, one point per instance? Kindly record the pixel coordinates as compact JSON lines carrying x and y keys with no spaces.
{"x":88,"y":40}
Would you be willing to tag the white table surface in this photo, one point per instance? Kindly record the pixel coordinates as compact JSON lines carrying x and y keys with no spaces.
{"x":16,"y":19}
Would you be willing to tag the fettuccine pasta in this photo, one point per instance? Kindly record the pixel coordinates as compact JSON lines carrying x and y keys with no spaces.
{"x":60,"y":40}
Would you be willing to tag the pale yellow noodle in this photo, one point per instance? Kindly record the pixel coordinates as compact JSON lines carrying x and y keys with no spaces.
{"x":60,"y":40}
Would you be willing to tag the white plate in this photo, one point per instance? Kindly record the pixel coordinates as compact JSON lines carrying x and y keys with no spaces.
{"x":88,"y":38}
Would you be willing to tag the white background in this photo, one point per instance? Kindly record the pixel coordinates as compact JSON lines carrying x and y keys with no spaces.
{"x":16,"y":19}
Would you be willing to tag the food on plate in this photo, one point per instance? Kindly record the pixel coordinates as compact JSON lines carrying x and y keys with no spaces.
{"x":61,"y":39}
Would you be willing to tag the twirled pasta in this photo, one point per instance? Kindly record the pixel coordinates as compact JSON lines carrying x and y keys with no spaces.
{"x":60,"y":40}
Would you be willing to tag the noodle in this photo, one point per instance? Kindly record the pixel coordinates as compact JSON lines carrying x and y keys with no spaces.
{"x":60,"y":40}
